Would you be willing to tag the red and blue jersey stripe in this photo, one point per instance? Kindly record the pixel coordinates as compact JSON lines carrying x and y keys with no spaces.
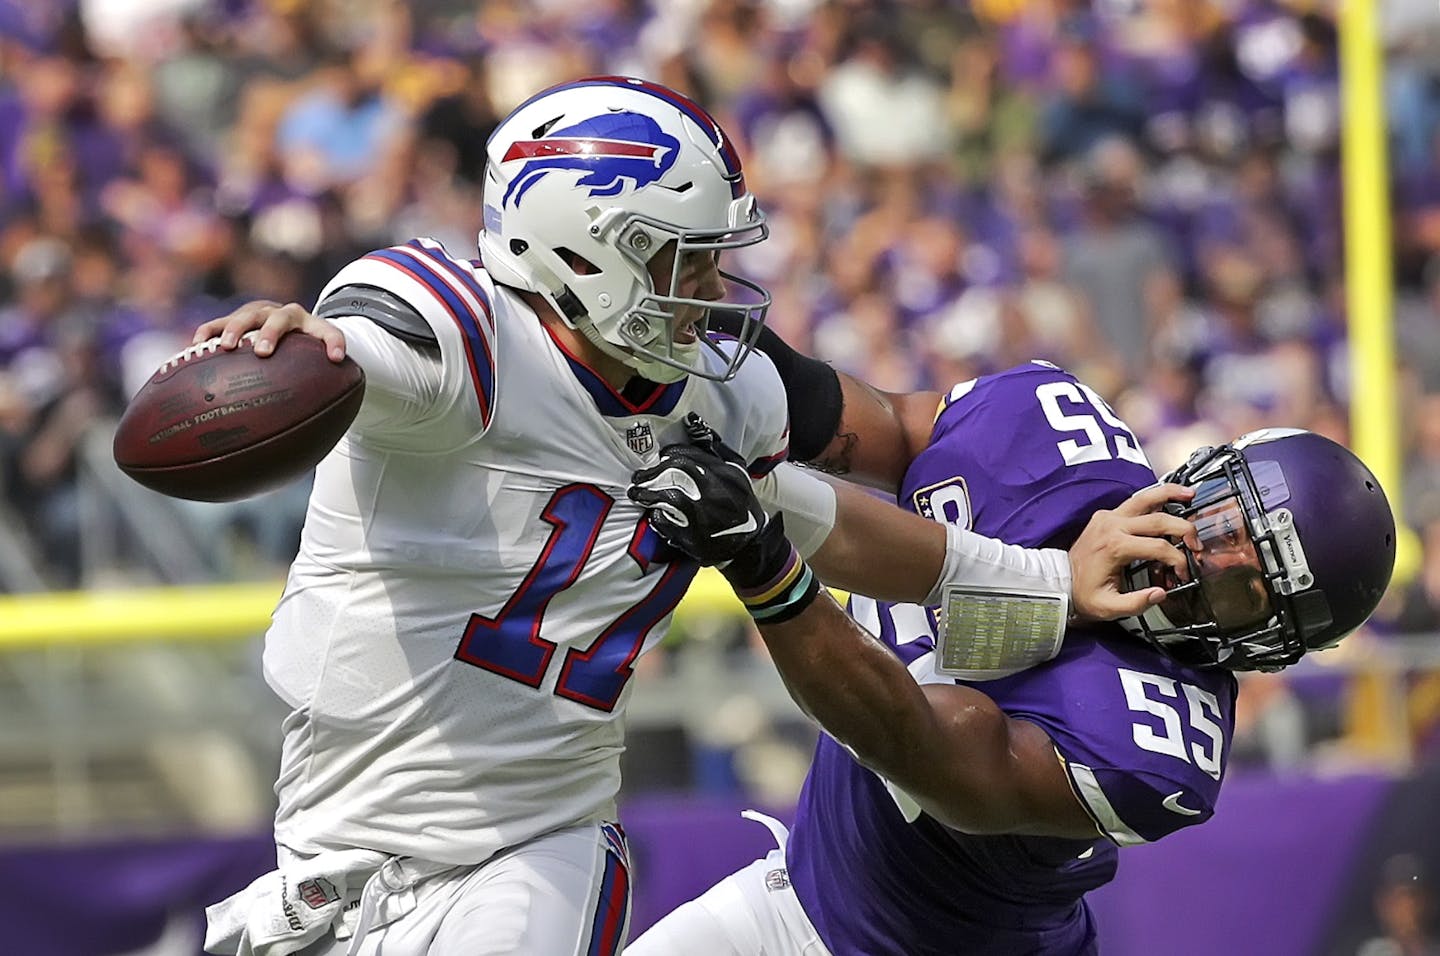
{"x":661,"y":400}
{"x":761,"y":467}
{"x":441,"y":276}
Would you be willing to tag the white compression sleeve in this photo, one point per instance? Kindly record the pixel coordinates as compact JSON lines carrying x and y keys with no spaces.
{"x":807,"y":502}
{"x":973,"y":560}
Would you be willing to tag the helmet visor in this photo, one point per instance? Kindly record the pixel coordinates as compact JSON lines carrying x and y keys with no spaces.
{"x":1226,"y":583}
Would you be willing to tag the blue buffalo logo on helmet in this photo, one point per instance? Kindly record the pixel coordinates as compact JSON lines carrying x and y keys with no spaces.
{"x":614,"y":150}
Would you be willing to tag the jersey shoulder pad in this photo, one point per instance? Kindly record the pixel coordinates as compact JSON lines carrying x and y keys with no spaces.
{"x":418,"y":286}
{"x":1030,"y":434}
{"x":1013,"y":384}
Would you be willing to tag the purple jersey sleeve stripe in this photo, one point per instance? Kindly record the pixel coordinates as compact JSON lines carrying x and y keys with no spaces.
{"x":477,"y":349}
{"x":1097,"y":804}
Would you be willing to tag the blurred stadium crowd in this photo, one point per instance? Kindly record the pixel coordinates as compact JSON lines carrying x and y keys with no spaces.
{"x":1145,"y":192}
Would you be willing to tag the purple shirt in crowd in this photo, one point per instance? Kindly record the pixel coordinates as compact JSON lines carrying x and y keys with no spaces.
{"x":1025,"y":455}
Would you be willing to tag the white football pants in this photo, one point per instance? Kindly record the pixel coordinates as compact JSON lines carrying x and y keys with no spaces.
{"x":564,"y":894}
{"x":753,"y":912}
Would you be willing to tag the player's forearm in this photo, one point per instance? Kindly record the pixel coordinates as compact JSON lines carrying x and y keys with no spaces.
{"x":947,"y":747}
{"x":875,"y":548}
{"x":852,"y":686}
{"x":879,"y":550}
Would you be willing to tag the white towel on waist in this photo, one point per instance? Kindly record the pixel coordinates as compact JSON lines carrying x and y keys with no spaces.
{"x":291,"y":907}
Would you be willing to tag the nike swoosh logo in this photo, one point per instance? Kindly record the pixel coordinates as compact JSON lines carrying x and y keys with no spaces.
{"x":749,"y":525}
{"x":1172,"y":803}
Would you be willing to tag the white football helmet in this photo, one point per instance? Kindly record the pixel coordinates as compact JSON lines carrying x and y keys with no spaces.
{"x":610,"y":169}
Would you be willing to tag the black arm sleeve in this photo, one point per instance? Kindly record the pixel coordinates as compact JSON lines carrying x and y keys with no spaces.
{"x":812,"y":388}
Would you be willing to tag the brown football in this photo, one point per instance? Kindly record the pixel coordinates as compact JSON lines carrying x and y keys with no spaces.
{"x":213,"y":425}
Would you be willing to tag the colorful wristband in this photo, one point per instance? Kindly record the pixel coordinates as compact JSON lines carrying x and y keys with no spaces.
{"x":784,"y":595}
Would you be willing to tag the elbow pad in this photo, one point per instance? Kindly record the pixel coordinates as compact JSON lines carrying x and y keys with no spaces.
{"x":390,"y":312}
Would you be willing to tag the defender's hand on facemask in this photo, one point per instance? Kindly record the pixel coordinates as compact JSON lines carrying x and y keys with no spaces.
{"x":1139,"y":529}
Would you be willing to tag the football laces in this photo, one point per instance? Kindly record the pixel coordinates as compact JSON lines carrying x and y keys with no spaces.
{"x":198,"y":349}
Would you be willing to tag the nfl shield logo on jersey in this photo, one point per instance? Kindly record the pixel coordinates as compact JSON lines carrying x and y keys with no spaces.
{"x":640,"y":438}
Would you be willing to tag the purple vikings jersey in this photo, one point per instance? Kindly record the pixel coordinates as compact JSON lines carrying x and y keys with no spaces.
{"x":1025,"y":455}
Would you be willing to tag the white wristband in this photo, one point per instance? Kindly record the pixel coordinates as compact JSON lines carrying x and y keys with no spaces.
{"x":973,"y":560}
{"x":987,"y":633}
{"x":807,"y":502}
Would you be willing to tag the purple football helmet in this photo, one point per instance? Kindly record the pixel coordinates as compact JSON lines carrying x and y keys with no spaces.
{"x":1297,"y":545}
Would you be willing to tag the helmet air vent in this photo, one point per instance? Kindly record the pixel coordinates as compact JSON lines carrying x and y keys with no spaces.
{"x":539,"y":131}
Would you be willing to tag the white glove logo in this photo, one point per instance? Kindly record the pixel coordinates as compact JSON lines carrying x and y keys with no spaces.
{"x":745,"y":528}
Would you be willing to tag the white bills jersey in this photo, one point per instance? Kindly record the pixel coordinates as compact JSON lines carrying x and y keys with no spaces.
{"x":473,"y":586}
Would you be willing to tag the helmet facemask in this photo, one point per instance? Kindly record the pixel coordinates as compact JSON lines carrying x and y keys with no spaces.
{"x":645,"y":336}
{"x":1249,"y":601}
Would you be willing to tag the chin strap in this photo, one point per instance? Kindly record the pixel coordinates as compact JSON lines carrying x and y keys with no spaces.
{"x":573,"y":311}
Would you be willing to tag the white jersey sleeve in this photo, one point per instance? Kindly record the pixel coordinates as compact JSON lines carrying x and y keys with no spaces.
{"x":454,"y":297}
{"x":403,"y":383}
{"x":761,"y":416}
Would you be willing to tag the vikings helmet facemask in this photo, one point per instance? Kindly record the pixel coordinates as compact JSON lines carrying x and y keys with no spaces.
{"x":1250,"y":602}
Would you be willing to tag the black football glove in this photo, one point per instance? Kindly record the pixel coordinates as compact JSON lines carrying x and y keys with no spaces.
{"x":702,"y":502}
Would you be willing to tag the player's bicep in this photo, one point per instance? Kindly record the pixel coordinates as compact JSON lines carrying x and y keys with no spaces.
{"x":1042,"y":785}
{"x":878,"y":433}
